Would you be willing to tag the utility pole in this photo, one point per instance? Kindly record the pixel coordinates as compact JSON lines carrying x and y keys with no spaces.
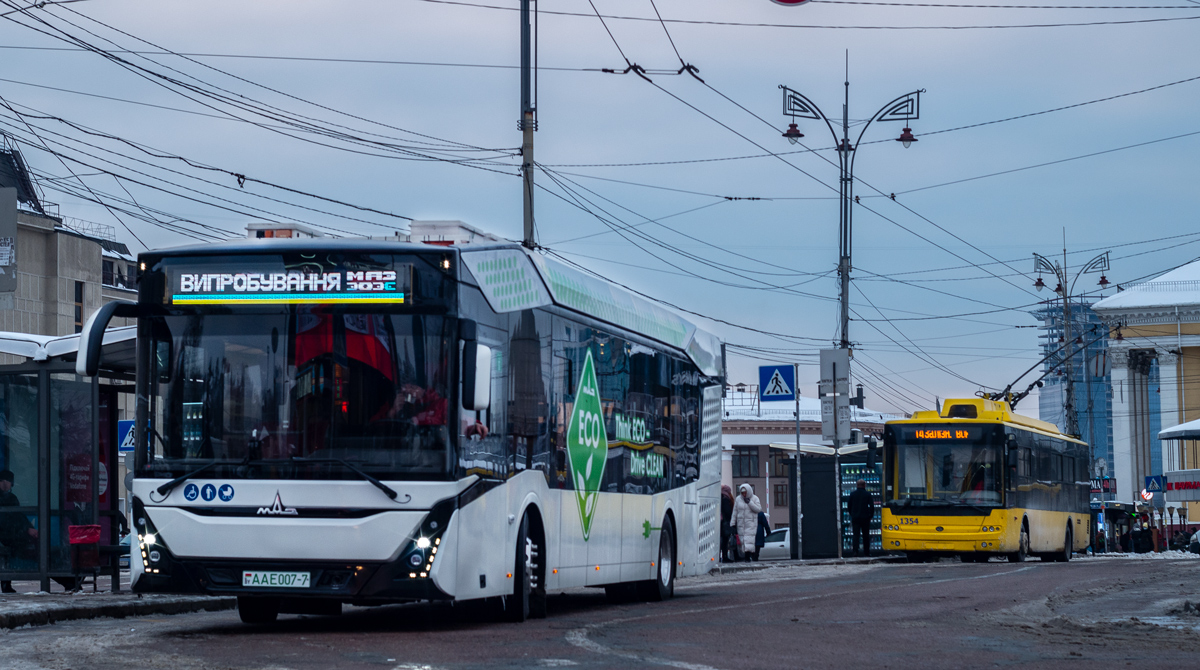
{"x":528,"y":122}
{"x":904,"y":108}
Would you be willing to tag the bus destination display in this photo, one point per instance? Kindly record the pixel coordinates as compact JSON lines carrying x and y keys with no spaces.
{"x":290,"y":287}
{"x":948,"y":434}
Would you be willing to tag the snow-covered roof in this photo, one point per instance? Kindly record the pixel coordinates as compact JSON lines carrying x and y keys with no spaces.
{"x":744,"y":406}
{"x":107,"y":253}
{"x":1178,"y":288}
{"x":44,"y":347}
{"x":1184,"y":431}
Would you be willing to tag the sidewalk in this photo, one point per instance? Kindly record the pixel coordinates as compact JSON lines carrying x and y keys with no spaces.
{"x":734,"y":568}
{"x":31,"y":607}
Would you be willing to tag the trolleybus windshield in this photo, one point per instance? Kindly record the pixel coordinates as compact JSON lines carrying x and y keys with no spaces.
{"x":947,"y":464}
{"x":269,"y":385}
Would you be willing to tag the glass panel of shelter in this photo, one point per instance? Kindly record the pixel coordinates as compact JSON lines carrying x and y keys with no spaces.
{"x":19,"y":551}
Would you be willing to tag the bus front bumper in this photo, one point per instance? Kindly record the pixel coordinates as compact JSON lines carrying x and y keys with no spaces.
{"x":361,"y":583}
{"x":893,"y":542}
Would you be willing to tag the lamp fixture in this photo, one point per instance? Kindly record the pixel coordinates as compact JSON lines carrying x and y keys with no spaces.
{"x":906,"y":138}
{"x":793,"y":133}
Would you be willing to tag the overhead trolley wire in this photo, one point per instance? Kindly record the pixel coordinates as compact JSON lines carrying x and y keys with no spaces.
{"x":741,"y":24}
{"x":237,"y":101}
{"x":223,"y":186}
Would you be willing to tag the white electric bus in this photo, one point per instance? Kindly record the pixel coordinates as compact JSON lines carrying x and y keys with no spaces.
{"x":323,"y":421}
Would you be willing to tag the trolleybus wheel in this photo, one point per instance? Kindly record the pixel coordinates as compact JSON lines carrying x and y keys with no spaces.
{"x":662,"y":586}
{"x":1022,"y":547}
{"x":1065,"y":556}
{"x":258,"y":610}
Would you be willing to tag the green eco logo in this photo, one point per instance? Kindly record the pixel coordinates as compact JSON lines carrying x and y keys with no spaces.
{"x":587,"y":444}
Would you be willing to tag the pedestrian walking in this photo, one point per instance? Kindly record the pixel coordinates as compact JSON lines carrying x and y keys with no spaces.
{"x":760,"y":535}
{"x":745,"y":518}
{"x":726,"y":517}
{"x":862,"y":510}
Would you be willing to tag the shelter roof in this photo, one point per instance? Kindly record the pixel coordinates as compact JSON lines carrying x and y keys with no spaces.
{"x":1184,"y":431}
{"x":118,"y":351}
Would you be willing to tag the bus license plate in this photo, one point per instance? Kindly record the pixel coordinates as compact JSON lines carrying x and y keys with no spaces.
{"x":287,"y":580}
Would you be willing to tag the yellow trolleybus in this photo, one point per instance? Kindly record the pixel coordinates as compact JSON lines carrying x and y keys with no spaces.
{"x":977,"y":480}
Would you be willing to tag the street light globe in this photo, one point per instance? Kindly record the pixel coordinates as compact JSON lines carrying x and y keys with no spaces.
{"x":906,"y":138}
{"x":793,"y":133}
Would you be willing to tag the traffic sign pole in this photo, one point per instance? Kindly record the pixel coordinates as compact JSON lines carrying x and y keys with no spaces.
{"x":794,"y":482}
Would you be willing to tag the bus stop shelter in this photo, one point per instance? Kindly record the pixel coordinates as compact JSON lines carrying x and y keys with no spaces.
{"x":58,"y":439}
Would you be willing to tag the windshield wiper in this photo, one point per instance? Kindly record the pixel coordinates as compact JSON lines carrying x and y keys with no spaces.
{"x":387,"y":490}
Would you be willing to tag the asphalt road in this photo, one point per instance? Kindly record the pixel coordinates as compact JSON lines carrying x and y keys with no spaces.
{"x":1098,"y":613}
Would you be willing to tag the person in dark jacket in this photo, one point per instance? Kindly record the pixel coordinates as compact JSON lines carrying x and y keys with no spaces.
{"x":726,"y":515}
{"x":862,"y":510}
{"x":17,"y":535}
{"x":760,"y":535}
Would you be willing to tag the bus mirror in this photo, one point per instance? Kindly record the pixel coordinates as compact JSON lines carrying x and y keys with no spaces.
{"x":477,"y":376}
{"x":91,"y":338}
{"x":872,"y":452}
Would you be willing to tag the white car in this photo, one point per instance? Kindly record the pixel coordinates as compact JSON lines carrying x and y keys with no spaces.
{"x":777,"y":546}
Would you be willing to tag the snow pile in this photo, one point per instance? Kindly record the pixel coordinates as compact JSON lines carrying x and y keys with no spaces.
{"x":1166,"y":555}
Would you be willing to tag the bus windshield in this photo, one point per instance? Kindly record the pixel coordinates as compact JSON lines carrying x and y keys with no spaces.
{"x":289,"y":392}
{"x":947,"y":464}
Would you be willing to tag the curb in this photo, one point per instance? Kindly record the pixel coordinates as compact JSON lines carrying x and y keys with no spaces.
{"x":735,"y":568}
{"x":49,"y":613}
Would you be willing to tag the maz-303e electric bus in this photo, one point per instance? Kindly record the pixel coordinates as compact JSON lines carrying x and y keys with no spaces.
{"x":323,"y":421}
{"x":978,"y":480}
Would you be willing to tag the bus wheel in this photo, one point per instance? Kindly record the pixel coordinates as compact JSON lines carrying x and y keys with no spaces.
{"x":1065,"y":556}
{"x":518,"y":606}
{"x":1022,"y":547}
{"x":258,"y":610}
{"x":662,"y":586}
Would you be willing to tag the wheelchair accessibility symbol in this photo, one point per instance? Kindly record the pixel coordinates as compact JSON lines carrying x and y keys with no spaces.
{"x":191,"y":492}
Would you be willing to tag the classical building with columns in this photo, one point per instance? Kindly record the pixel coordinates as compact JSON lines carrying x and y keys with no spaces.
{"x":1154,"y":350}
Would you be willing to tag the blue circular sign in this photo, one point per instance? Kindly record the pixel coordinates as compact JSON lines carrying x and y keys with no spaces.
{"x":225,"y":492}
{"x":191,"y":492}
{"x":208,"y":492}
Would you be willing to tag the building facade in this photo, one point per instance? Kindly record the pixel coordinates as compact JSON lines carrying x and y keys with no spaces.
{"x":1154,"y":351}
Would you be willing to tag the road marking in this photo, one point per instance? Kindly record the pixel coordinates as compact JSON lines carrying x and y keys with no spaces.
{"x":579,"y":636}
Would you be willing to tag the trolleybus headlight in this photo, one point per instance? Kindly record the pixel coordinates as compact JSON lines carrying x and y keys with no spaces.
{"x":149,"y":538}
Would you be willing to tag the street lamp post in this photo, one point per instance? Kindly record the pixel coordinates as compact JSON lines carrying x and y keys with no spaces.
{"x":904,"y":108}
{"x":1043,"y":264}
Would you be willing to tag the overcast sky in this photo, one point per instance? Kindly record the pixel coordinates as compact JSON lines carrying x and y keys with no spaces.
{"x":369,"y":129}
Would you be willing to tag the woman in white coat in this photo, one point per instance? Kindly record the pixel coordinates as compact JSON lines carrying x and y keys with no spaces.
{"x":745,"y":518}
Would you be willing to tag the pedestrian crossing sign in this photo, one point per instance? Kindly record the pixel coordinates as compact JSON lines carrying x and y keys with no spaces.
{"x":776,"y":382}
{"x":125,"y":436}
{"x":1154,"y":483}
